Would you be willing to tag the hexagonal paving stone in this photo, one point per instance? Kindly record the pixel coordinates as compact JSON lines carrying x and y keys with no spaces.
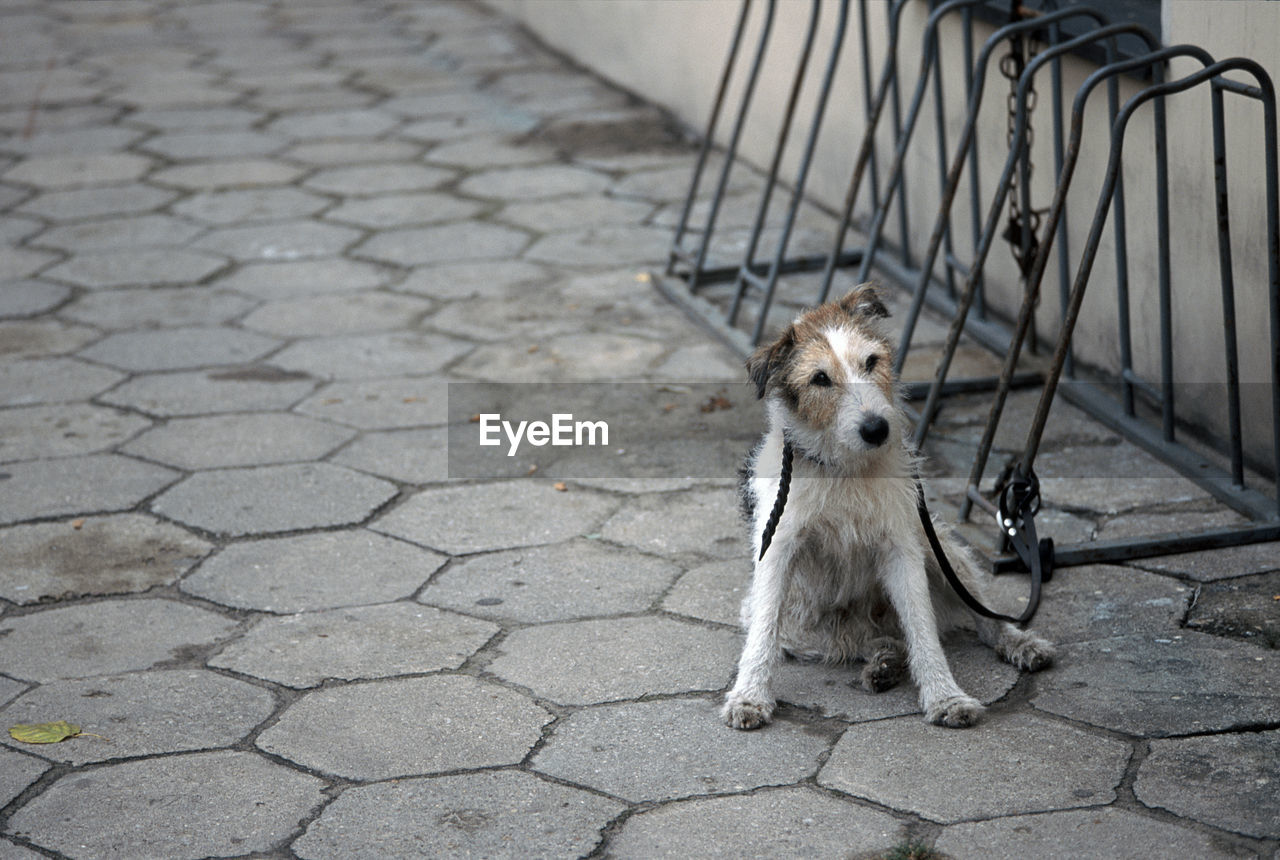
{"x":303,"y":278}
{"x":339,"y":123}
{"x":65,"y":430}
{"x":42,"y":338}
{"x":1212,"y":565}
{"x":19,"y":262}
{"x":212,"y":143}
{"x":569,"y":580}
{"x":402,"y":210}
{"x":310,"y":572}
{"x":497,"y":278}
{"x":51,"y":380}
{"x":352,"y":151}
{"x":282,"y":240}
{"x":365,"y":180}
{"x":79,"y":204}
{"x":97,"y":555}
{"x":1241,"y":608}
{"x":1228,"y":781}
{"x":532,"y":183}
{"x":661,"y":750}
{"x":616,"y":658}
{"x":30,"y":298}
{"x":712,"y":592}
{"x":75,"y":171}
{"x":267,"y":499}
{"x":17,"y":771}
{"x":163,"y":307}
{"x":145,"y":713}
{"x":231,"y":173}
{"x":371,"y":355}
{"x":179,"y":348}
{"x":1082,"y":834}
{"x":412,"y":726}
{"x":460,"y":520}
{"x":186,"y":118}
{"x":146,"y":808}
{"x":236,"y":206}
{"x":357,"y":313}
{"x":354,"y":644}
{"x":581,"y":358}
{"x":1005,"y":765}
{"x":572,"y":213}
{"x":702,"y":522}
{"x":800,"y":822}
{"x":443,"y":244}
{"x":137,"y":267}
{"x":1154,"y":685}
{"x":95,"y":484}
{"x":238,"y":440}
{"x":408,"y":456}
{"x":255,"y":387}
{"x":380,"y":403}
{"x":479,"y":814}
{"x":139,"y":231}
{"x":603,"y":246}
{"x":105,"y":638}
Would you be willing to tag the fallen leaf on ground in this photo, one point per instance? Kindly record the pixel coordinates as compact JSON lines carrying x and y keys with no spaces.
{"x":560,"y":485}
{"x":77,"y":524}
{"x":44,"y":733}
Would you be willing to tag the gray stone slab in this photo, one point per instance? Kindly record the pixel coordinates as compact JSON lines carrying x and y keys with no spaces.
{"x":792,"y":822}
{"x":603,"y":246}
{"x":1087,"y":834}
{"x":836,"y":690}
{"x":534,"y":183}
{"x":236,"y":206}
{"x":63,"y":430}
{"x":616,"y":658}
{"x":301,"y":278}
{"x":176,"y":119}
{"x":444,"y":244}
{"x":78,"y":171}
{"x":1218,"y":564}
{"x":242,"y":389}
{"x":367,"y":356}
{"x":164,"y":307}
{"x":145,"y":713}
{"x":94,"y":484}
{"x":1110,"y":479}
{"x":30,"y":298}
{"x":20,"y":262}
{"x":238,"y":440}
{"x":404,"y":210}
{"x":1155,"y":686}
{"x":180,"y":348}
{"x":356,"y":313}
{"x":27,"y":381}
{"x":214,"y":143}
{"x":1243,"y":608}
{"x":137,"y":267}
{"x":17,"y":771}
{"x":408,"y":456}
{"x":377,"y":404}
{"x":117,"y":554}
{"x":497,"y":278}
{"x":13,"y":229}
{"x":505,"y":319}
{"x":697,"y":523}
{"x":9,"y":689}
{"x":146,"y":808}
{"x":279,"y":241}
{"x":328,"y":153}
{"x":584,"y":358}
{"x":479,"y":517}
{"x":366,"y":180}
{"x":42,"y":338}
{"x":407,"y":727}
{"x":576,"y":579}
{"x":489,"y":151}
{"x":356,"y":643}
{"x":270,"y":499}
{"x":661,"y":750}
{"x":105,"y":638}
{"x":571,"y":213}
{"x":230,"y":173}
{"x":330,"y":124}
{"x":274,"y":100}
{"x":313,"y":572}
{"x":1007,"y":764}
{"x":137,"y":231}
{"x":712,"y":592}
{"x":1228,"y":781}
{"x":489,"y":814}
{"x":79,"y":204}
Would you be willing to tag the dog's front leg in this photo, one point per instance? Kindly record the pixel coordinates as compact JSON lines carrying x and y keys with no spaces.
{"x":750,"y":703}
{"x":941,"y":698}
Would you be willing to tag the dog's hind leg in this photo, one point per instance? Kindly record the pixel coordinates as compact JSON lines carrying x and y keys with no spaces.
{"x":886,"y":664}
{"x":1022,"y":648}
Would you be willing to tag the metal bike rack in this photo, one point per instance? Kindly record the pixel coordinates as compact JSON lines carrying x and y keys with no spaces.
{"x":941,"y":279}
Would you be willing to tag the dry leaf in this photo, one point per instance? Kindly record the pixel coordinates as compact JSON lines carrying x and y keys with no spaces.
{"x":44,"y":733}
{"x":475,"y":419}
{"x":77,"y":524}
{"x":532,"y":469}
{"x":643,"y":277}
{"x":533,"y":348}
{"x":560,"y":486}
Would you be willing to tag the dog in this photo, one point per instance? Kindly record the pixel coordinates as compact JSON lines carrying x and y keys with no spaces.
{"x":849,"y":574}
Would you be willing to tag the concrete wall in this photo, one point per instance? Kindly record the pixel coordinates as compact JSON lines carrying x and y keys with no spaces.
{"x":672,"y":51}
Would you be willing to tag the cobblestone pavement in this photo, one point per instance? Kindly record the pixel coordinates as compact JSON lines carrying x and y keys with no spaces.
{"x":245,"y":247}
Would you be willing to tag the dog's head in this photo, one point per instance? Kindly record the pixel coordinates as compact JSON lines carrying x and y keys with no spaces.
{"x":830,"y":372}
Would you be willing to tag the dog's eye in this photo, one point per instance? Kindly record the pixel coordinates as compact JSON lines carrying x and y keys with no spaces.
{"x":821,"y":379}
{"x":872,"y":361}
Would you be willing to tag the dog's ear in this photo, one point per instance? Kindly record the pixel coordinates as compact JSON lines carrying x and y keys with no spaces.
{"x":766,"y":360}
{"x":863,"y":303}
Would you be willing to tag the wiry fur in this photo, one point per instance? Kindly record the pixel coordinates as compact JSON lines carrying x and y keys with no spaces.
{"x":849,"y":574}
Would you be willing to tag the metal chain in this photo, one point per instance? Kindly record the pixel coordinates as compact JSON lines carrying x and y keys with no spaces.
{"x":1012,"y":64}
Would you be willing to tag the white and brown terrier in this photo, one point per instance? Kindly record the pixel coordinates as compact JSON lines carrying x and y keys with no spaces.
{"x":849,"y":574}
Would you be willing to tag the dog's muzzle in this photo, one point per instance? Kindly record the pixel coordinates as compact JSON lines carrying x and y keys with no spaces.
{"x":874,"y":429}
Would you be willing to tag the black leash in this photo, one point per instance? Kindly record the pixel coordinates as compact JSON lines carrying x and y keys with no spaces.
{"x":1019,"y":502}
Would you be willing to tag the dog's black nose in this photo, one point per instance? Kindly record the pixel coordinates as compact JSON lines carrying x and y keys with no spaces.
{"x":874,"y":430}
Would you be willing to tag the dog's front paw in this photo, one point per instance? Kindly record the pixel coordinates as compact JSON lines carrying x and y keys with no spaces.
{"x":954,"y":712}
{"x":1029,"y":652}
{"x":742,"y":712}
